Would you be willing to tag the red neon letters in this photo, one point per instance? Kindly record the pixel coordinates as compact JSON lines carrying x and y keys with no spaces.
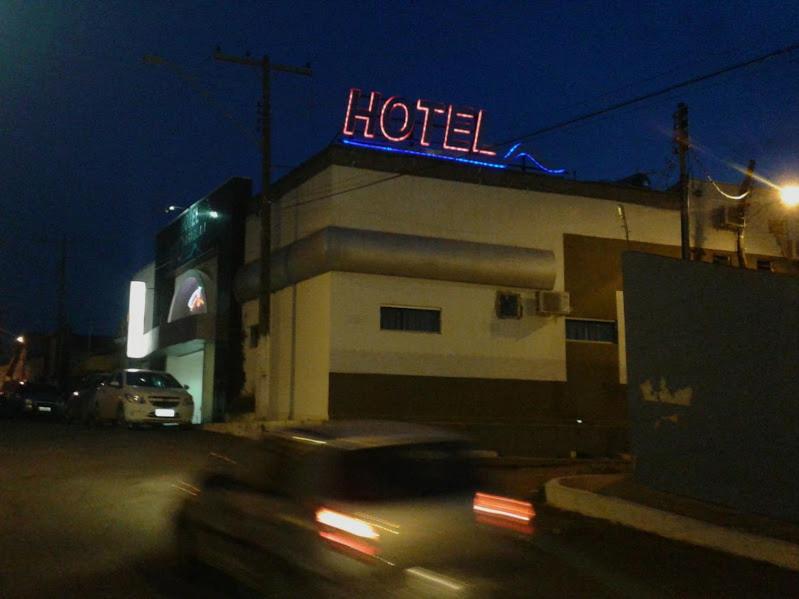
{"x":396,"y":119}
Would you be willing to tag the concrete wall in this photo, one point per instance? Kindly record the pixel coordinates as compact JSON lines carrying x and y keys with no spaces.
{"x":455,"y":210}
{"x":473,"y":342}
{"x":252,"y":369}
{"x":252,"y":238}
{"x":300,"y":351}
{"x":147,"y":275}
{"x":312,"y":348}
{"x":712,"y":357}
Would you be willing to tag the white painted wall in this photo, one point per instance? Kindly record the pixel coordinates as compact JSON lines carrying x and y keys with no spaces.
{"x":473,"y":342}
{"x":342,"y":309}
{"x":312,"y":354}
{"x":300,"y":350}
{"x":147,"y":275}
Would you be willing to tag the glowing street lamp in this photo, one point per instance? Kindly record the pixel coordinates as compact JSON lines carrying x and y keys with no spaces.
{"x":20,"y":339}
{"x":790,"y":195}
{"x":173,"y":208}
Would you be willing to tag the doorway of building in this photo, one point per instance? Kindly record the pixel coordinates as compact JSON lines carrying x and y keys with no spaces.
{"x":188,"y":369}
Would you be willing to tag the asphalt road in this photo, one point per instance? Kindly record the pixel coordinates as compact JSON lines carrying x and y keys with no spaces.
{"x":88,"y":513}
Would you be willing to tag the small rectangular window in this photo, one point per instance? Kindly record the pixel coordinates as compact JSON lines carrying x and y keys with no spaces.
{"x":509,"y":305}
{"x":254,"y":335}
{"x":765,"y":265}
{"x":410,"y":319}
{"x":591,"y":330}
{"x":721,"y":259}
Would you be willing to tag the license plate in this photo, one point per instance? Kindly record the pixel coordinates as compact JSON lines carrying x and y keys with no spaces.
{"x":45,"y":409}
{"x":165,"y":413}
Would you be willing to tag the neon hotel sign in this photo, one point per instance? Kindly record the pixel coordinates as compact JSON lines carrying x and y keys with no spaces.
{"x":423,"y":128}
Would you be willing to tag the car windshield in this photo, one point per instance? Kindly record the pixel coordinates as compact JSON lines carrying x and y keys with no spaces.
{"x":404,"y":472}
{"x":161,"y":380}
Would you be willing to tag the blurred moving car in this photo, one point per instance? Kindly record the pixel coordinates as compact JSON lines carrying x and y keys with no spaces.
{"x":344,"y":508}
{"x":79,"y":400}
{"x":37,"y":399}
{"x":132,"y":397}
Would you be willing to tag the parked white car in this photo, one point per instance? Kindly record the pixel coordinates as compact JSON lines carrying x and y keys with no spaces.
{"x":132,"y":397}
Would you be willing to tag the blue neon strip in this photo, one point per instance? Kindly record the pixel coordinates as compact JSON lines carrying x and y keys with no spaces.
{"x":551,"y":171}
{"x":359,"y":144}
{"x":513,"y":149}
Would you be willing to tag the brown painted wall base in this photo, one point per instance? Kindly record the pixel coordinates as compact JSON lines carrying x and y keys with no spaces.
{"x":513,"y":417}
{"x":427,"y":398}
{"x":547,"y":440}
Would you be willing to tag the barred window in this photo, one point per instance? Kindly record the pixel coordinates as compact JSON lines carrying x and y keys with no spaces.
{"x":422,"y":320}
{"x":591,"y":330}
{"x":721,"y":259}
{"x":765,"y":265}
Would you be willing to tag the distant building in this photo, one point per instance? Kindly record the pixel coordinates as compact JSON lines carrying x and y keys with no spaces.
{"x":183,"y":317}
{"x":83,"y":354}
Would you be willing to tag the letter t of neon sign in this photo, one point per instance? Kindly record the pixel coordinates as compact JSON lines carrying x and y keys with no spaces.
{"x":425,"y":107}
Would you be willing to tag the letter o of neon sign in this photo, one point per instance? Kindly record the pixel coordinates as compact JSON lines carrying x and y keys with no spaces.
{"x":392,"y":104}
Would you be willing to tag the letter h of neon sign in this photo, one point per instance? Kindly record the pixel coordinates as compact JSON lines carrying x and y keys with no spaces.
{"x":355,"y":113}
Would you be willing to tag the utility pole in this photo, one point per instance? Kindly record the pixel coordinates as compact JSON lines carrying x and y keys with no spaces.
{"x":61,"y":365}
{"x":265,"y":301}
{"x":743,"y":205}
{"x":682,"y":143}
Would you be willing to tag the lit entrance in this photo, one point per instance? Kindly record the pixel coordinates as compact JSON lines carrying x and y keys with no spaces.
{"x":188,"y":369}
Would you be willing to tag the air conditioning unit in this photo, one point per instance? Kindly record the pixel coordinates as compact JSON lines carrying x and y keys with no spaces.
{"x":731,"y":217}
{"x":553,"y":303}
{"x":509,"y":305}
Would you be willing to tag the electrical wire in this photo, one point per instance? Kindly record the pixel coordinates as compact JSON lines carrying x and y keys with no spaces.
{"x":675,"y":86}
{"x":579,"y":119}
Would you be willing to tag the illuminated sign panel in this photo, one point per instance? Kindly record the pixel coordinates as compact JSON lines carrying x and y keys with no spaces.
{"x":397,"y":120}
{"x":425,"y":128}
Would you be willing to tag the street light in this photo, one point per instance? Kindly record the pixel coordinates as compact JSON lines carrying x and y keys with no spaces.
{"x":20,"y":339}
{"x":790,"y":195}
{"x":209,"y":213}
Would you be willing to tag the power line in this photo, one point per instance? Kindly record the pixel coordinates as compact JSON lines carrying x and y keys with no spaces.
{"x":578,"y":119}
{"x":665,"y":90}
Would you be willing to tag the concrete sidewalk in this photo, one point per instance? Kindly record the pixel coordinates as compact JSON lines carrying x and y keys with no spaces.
{"x":616,"y":497}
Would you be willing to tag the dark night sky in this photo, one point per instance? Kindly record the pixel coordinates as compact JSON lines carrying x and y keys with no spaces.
{"x":94,"y":143}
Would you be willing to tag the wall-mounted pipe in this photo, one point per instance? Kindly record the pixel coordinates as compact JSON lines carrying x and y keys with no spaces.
{"x":375,"y":252}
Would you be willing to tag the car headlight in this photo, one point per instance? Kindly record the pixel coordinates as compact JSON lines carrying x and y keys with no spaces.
{"x":134,"y":398}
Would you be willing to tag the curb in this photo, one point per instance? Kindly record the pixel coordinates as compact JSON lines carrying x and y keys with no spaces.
{"x":250,"y":428}
{"x":670,"y":525}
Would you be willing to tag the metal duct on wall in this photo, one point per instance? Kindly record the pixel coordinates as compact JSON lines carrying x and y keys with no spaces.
{"x":375,"y":252}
